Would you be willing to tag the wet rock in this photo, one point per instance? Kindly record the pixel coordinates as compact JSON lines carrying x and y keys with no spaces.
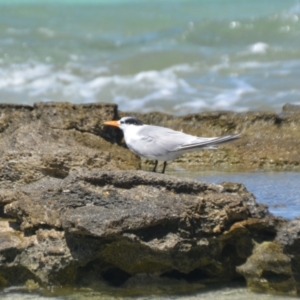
{"x":96,"y":224}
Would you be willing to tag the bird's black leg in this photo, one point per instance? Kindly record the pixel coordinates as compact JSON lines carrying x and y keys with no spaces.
{"x":165,"y":164}
{"x":155,"y":165}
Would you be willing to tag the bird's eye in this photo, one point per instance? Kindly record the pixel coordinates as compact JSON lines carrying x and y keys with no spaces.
{"x":122,"y":122}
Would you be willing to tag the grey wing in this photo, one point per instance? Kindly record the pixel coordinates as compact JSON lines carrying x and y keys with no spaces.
{"x":208,"y":142}
{"x":157,"y":141}
{"x":171,"y":140}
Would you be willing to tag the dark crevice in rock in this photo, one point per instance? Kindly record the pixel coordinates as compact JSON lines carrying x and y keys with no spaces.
{"x":14,"y":225}
{"x":32,"y":231}
{"x":231,"y":258}
{"x":2,"y":214}
{"x":59,"y":172}
{"x":16,"y":276}
{"x":261,"y":236}
{"x":229,"y":250}
{"x":116,"y":276}
{"x":9,"y":255}
{"x":273,"y":277}
{"x":195,"y":275}
{"x":278,"y":121}
{"x":264,"y":232}
{"x":98,"y":270}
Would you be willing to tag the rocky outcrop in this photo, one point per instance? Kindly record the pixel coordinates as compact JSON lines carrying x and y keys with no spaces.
{"x":112,"y":225}
{"x":70,"y":214}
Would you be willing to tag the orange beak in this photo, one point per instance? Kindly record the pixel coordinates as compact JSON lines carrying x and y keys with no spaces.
{"x":112,"y":123}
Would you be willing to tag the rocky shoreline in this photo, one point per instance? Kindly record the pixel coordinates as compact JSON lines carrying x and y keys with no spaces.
{"x":76,"y":210}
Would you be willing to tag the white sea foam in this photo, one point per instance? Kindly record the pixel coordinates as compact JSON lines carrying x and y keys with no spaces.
{"x":46,"y":32}
{"x":220,"y":98}
{"x":255,"y":65}
{"x":19,"y":75}
{"x":130,"y":91}
{"x":181,"y":89}
{"x":17,"y":31}
{"x":258,"y":48}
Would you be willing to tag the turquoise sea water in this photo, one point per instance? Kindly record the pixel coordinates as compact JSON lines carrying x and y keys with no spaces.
{"x":172,"y":56}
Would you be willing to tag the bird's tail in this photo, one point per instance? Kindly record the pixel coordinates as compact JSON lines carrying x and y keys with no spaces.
{"x":210,"y":142}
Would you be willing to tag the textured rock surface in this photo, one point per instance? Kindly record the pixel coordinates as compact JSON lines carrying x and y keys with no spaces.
{"x":67,"y":217}
{"x":269,"y":269}
{"x":52,"y":139}
{"x":275,"y":266}
{"x":94,"y":223}
{"x":288,"y":238}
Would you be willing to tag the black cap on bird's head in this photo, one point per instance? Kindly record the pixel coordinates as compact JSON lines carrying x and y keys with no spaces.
{"x":124,"y":121}
{"x":130,"y":121}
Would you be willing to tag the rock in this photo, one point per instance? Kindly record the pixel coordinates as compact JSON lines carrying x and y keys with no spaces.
{"x":275,"y":266}
{"x":52,"y":139}
{"x":288,"y":238}
{"x":13,"y":243}
{"x":268,"y":269}
{"x":70,"y":215}
{"x":96,"y":224}
{"x":290,"y":111}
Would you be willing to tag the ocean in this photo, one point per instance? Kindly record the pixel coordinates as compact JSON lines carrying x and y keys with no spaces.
{"x":175,"y":56}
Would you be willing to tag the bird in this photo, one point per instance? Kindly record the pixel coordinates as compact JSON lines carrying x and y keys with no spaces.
{"x":162,"y":143}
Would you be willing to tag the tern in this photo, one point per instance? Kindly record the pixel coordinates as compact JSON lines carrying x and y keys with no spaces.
{"x":161,"y":143}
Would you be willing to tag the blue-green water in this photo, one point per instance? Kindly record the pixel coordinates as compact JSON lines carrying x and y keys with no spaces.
{"x":280,"y":191}
{"x":172,"y":56}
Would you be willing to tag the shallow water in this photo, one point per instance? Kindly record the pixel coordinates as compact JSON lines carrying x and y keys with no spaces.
{"x":279,"y":190}
{"x":230,"y":292}
{"x":177,"y":57}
